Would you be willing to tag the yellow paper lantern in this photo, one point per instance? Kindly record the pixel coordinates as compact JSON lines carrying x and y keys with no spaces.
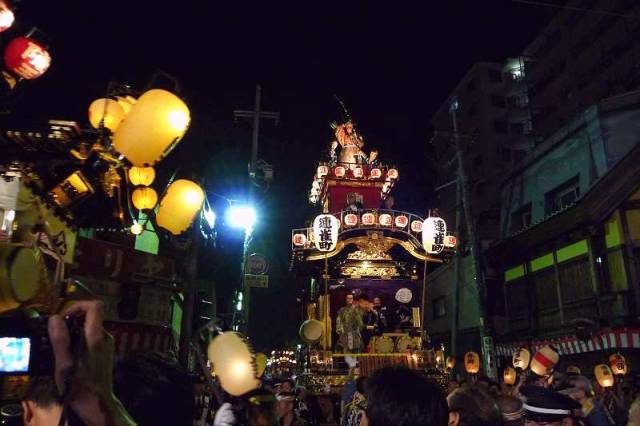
{"x":604,"y":375}
{"x":472,"y":362}
{"x":509,"y":376}
{"x":521,"y":358}
{"x":155,"y":124}
{"x":106,"y":111}
{"x":234,"y":363}
{"x":141,"y":175}
{"x":261,"y":363}
{"x":544,"y":361}
{"x":451,"y":362}
{"x":144,"y":198}
{"x":618,"y":364}
{"x":179,"y":206}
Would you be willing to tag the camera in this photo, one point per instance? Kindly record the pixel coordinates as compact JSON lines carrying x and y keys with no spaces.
{"x":25,"y":347}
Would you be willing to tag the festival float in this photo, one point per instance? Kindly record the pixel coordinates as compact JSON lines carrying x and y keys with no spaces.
{"x":365,"y":266}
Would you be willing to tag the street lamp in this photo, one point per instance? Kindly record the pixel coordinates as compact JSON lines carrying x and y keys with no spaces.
{"x":242,"y":216}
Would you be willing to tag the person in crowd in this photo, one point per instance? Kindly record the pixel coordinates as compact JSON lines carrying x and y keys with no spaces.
{"x":354,"y":411}
{"x":547,"y":407}
{"x":634,"y":407}
{"x":255,"y":408}
{"x":286,"y":385}
{"x":285,"y":410}
{"x":511,"y":409}
{"x":402,"y":397}
{"x":85,"y":384}
{"x":579,"y":389}
{"x":473,"y":406}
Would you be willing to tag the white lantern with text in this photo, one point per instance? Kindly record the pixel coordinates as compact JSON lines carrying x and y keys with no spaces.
{"x":402,"y":221}
{"x":434,"y":230}
{"x":385,"y":219}
{"x":325,"y":232}
{"x":322,"y":171}
{"x":368,"y":219}
{"x":358,"y":172}
{"x":350,"y":219}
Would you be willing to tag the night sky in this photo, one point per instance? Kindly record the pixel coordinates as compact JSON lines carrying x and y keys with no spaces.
{"x":393,"y":64}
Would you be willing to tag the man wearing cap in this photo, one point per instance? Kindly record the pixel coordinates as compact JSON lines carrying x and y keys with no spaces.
{"x":285,"y":410}
{"x":593,"y":412}
{"x":546,"y":407}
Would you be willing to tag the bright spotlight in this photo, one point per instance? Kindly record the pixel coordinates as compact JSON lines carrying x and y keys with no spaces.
{"x":243,"y":217}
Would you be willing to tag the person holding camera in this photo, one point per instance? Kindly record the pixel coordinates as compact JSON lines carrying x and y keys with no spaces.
{"x":80,"y":390}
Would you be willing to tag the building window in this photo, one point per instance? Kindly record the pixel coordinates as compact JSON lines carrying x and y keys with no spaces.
{"x":521,"y":218}
{"x":498,"y":101}
{"x":500,"y":126}
{"x":439,"y":307}
{"x":562,"y":196}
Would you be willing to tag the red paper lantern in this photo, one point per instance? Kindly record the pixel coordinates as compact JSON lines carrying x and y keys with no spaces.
{"x":368,"y":219}
{"x":416,"y":226}
{"x":358,"y":172}
{"x":6,"y":17}
{"x":350,"y":219}
{"x":402,"y":221}
{"x":299,"y":240}
{"x":27,"y":58}
{"x":339,"y":171}
{"x":385,"y":219}
{"x":376,"y":173}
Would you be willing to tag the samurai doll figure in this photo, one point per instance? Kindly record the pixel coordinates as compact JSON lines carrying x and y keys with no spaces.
{"x":349,"y":324}
{"x":351,"y":144}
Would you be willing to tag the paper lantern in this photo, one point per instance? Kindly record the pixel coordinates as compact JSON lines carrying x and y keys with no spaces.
{"x":26,"y":58}
{"x":604,"y":375}
{"x":392,"y":174}
{"x":450,"y":241}
{"x":322,"y":171}
{"x":544,"y":361}
{"x":385,"y":219}
{"x":106,"y":112}
{"x":136,"y":229}
{"x":573,"y":370}
{"x":261,"y":364}
{"x":368,"y":219}
{"x":339,"y":171}
{"x":126,"y":102}
{"x":472,"y":362}
{"x":325,"y":232}
{"x":416,"y":226}
{"x":179,"y":206}
{"x":375,"y":173}
{"x":358,"y":172}
{"x":155,"y":124}
{"x":618,"y":364}
{"x":6,"y":17}
{"x":141,"y":175}
{"x":434,"y":230}
{"x":521,"y":358}
{"x":402,"y":221}
{"x":144,"y":198}
{"x":234,"y":363}
{"x":451,"y":362}
{"x":509,"y":376}
{"x":299,"y":240}
{"x":350,"y":219}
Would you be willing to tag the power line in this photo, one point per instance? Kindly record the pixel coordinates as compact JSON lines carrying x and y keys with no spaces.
{"x":578,"y":9}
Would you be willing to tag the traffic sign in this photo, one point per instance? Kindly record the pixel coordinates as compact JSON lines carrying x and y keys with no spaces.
{"x":257,"y":264}
{"x":253,"y":280}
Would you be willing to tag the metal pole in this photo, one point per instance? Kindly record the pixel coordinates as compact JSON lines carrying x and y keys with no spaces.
{"x":256,"y":131}
{"x":246,"y":290}
{"x":478,"y":278}
{"x":456,"y":277}
{"x":423,"y":316}
{"x":191,"y":272}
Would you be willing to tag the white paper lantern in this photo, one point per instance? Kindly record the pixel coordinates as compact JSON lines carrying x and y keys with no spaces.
{"x":299,"y":240}
{"x":385,"y":219}
{"x":375,"y":173}
{"x":392,"y":174}
{"x":368,"y":219}
{"x":350,"y":219}
{"x":325,"y":232}
{"x":402,"y":221}
{"x":358,"y":172}
{"x":416,"y":226}
{"x":339,"y":171}
{"x":322,"y":171}
{"x":434,"y":230}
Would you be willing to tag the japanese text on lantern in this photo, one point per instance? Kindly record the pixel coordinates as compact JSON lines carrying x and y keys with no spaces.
{"x":325,"y":232}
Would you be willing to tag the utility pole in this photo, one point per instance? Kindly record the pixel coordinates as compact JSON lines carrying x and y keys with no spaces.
{"x":486,"y":342}
{"x":255,"y":115}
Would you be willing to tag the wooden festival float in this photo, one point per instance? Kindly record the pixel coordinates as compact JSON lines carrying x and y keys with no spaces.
{"x":359,"y":245}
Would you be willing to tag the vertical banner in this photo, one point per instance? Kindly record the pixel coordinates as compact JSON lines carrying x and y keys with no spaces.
{"x":488,"y":351}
